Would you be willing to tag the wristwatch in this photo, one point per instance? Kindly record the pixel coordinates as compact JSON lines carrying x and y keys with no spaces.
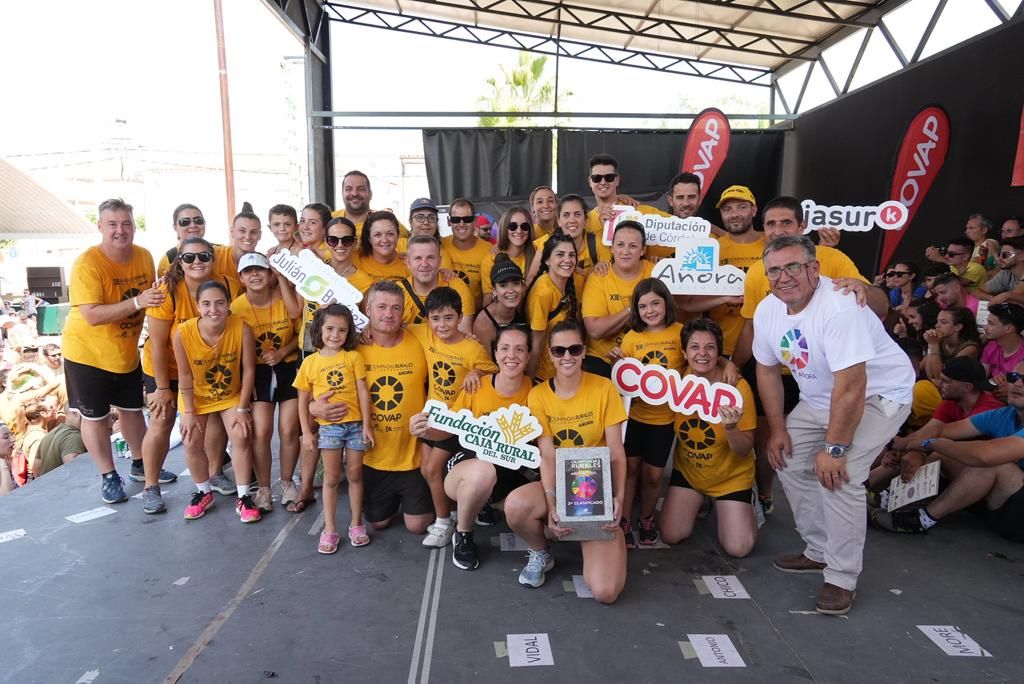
{"x":926,"y":445}
{"x":836,"y":450}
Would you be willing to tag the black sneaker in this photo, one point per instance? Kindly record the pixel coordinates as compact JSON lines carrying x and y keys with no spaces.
{"x":138,"y":474}
{"x":908,"y":522}
{"x":487,"y":516}
{"x":647,"y":532}
{"x":464,"y":552}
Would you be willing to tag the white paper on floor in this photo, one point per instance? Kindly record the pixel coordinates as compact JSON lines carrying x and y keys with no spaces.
{"x":725,"y":586}
{"x":92,"y":514}
{"x":953,"y":641}
{"x":527,"y":650}
{"x":715,"y":650}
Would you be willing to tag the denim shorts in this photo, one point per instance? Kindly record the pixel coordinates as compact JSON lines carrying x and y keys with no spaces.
{"x":338,"y":435}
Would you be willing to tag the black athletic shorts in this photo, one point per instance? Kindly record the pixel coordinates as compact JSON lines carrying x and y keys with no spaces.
{"x":653,"y":443}
{"x":92,"y":391}
{"x":743,"y":496}
{"x":149,"y":384}
{"x":790,"y":390}
{"x":1008,"y":519}
{"x":508,"y":479}
{"x":285,"y":376}
{"x":386,"y":491}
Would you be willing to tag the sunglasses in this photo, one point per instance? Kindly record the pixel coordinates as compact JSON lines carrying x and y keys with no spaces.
{"x":956,"y":254}
{"x":455,"y":220}
{"x":893,"y":274}
{"x":1007,"y":255}
{"x":606,"y":177}
{"x":573,"y":349}
{"x":1013,"y":377}
{"x":345,"y":240}
{"x":186,"y":222}
{"x":190,"y":257}
{"x":53,"y":356}
{"x":524,"y":227}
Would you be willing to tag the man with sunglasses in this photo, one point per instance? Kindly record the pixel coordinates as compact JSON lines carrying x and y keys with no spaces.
{"x":958,"y":256}
{"x":987,"y":449}
{"x":111,"y":286}
{"x":604,"y":180}
{"x":1003,"y":286}
{"x":856,"y":389}
{"x":464,"y":250}
{"x":356,"y":195}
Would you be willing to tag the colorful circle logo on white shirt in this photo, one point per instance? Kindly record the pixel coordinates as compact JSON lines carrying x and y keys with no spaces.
{"x":794,"y":349}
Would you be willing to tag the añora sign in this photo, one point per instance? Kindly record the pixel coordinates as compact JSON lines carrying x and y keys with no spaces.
{"x":501,"y":437}
{"x":689,"y":394}
{"x":317,"y":282}
{"x":695,"y":270}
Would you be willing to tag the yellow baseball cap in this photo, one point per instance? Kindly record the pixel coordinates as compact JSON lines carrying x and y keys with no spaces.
{"x":736,"y":192}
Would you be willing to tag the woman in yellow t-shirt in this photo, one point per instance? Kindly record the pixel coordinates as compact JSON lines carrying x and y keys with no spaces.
{"x":655,"y":341}
{"x":472,"y":483}
{"x":713,"y":459}
{"x":312,"y":225}
{"x":606,"y":296}
{"x":506,"y":305}
{"x":378,"y":255}
{"x":264,"y":310}
{"x":216,"y":357}
{"x":572,"y":221}
{"x":552,"y":298}
{"x":544,"y":204}
{"x":515,"y":239}
{"x":192,"y":266}
{"x":574,"y":409}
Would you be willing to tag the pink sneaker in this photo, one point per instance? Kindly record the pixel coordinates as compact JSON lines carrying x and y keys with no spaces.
{"x":247,"y":510}
{"x":198,"y":505}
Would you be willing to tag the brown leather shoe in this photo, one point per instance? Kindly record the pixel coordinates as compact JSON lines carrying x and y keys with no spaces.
{"x":798,"y":563}
{"x":833,"y":600}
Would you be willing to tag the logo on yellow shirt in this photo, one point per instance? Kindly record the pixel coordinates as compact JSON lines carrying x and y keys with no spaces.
{"x":568,"y":438}
{"x":386,"y":393}
{"x":218,"y":377}
{"x":268,"y":341}
{"x":696,"y":435}
{"x":335,"y":379}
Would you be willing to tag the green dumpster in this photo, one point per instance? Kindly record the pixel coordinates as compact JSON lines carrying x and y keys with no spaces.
{"x":50,"y":319}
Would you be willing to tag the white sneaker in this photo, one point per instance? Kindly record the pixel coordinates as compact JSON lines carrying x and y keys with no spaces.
{"x":440,"y":533}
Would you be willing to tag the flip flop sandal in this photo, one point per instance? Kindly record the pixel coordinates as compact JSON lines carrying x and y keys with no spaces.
{"x":328,"y":543}
{"x":357,"y":536}
{"x":299,"y":505}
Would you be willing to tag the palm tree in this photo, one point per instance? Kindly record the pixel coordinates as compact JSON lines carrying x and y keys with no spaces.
{"x":524,"y":88}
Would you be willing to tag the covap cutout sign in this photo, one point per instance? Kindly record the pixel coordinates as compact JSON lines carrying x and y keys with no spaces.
{"x":889,"y":215}
{"x":689,"y":394}
{"x":501,"y":437}
{"x":695,"y":270}
{"x":317,"y":282}
{"x":668,"y":231}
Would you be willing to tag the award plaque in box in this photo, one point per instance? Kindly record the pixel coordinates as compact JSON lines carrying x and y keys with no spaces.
{"x":583,"y":492}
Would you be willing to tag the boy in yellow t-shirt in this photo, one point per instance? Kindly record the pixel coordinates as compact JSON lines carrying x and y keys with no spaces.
{"x":453,"y":362}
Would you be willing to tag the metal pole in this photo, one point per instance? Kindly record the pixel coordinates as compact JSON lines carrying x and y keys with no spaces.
{"x":225,"y":110}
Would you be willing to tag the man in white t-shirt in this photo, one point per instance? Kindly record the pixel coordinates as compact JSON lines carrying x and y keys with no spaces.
{"x":856,"y":387}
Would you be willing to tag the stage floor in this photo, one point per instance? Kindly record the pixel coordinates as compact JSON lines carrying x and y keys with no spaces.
{"x":134,"y":598}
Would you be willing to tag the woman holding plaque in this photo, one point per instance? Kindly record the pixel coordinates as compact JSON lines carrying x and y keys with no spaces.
{"x":712,"y":459}
{"x":575,"y":410}
{"x":473,"y":483}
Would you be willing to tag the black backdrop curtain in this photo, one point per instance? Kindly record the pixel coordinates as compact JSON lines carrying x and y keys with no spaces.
{"x":649,"y":159}
{"x":486,"y":162}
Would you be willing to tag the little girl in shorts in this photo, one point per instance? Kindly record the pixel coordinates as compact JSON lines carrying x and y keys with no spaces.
{"x":339,"y":369}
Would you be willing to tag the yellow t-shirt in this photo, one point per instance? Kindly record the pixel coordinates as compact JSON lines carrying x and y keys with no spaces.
{"x":539,"y":231}
{"x":663,"y":348}
{"x":402,"y":230}
{"x":487,"y":399}
{"x":544,"y":298}
{"x":449,"y":363}
{"x":411,"y":315}
{"x":466,"y":262}
{"x":585,"y":260}
{"x":834,"y":264}
{"x":607,"y":295}
{"x":926,"y":400}
{"x":397,"y":379}
{"x":217,"y":370}
{"x":178,"y":309}
{"x":975,"y":274}
{"x":742,"y":255}
{"x":270,"y":325}
{"x":485,"y":270}
{"x":96,"y":279}
{"x":581,"y":420}
{"x":396,"y":270}
{"x":703,"y":455}
{"x":341,"y":373}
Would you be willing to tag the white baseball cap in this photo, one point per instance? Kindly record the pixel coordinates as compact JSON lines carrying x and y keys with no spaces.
{"x":252,"y":259}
